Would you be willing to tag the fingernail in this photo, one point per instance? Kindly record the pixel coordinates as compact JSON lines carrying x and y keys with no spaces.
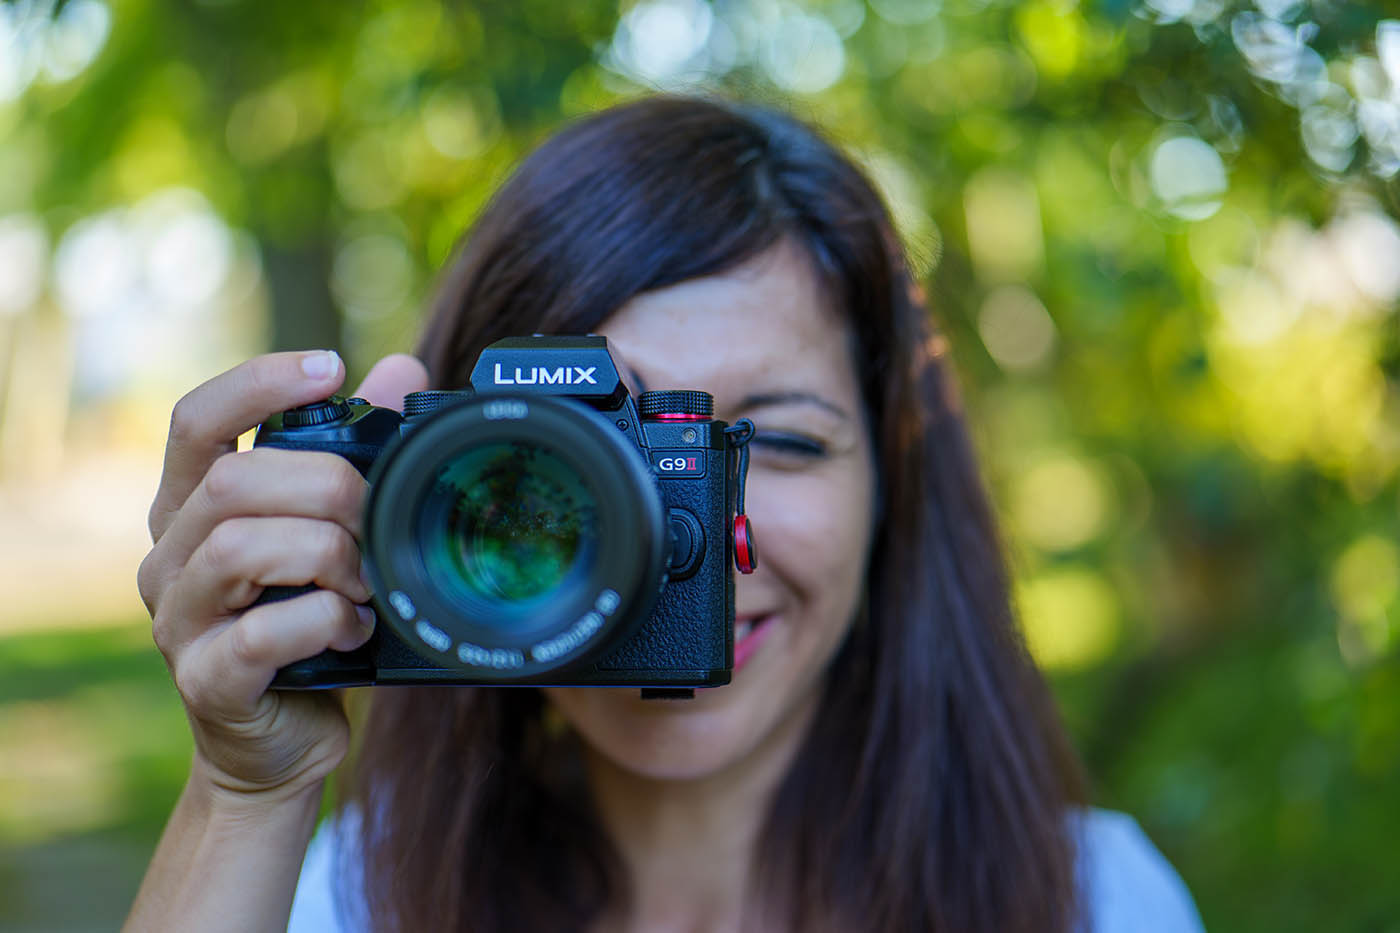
{"x":367,"y":616}
{"x":320,"y":364}
{"x":364,"y":578}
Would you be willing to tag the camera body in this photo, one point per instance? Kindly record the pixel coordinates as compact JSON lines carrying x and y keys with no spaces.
{"x":542,"y":527}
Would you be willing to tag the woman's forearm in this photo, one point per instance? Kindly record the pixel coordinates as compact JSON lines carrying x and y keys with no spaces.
{"x":226,"y":863}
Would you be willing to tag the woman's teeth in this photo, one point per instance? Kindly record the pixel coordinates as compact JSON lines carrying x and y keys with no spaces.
{"x":743,"y":628}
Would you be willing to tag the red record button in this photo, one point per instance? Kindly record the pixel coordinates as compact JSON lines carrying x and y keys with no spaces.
{"x":678,"y":463}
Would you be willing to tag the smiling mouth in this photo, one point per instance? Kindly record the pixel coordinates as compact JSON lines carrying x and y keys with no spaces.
{"x":746,"y":637}
{"x":743,"y":628}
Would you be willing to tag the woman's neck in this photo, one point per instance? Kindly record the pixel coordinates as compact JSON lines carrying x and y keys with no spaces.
{"x":689,"y":845}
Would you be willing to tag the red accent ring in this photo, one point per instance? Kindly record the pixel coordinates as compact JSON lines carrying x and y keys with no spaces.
{"x":676,"y":416}
{"x":745,"y":555}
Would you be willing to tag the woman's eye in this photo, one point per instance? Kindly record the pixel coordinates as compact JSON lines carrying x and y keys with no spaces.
{"x":788,"y":445}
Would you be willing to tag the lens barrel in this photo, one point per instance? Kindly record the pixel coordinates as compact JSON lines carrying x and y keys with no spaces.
{"x":513,"y":537}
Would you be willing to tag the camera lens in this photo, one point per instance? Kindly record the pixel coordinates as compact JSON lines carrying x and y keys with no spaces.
{"x":509,"y":523}
{"x":513,"y":537}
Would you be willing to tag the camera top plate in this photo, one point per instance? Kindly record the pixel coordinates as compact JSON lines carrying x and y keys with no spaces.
{"x":578,"y":367}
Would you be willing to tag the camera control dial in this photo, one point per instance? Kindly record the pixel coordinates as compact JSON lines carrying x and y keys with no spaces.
{"x":323,"y":412}
{"x":416,"y":404}
{"x":676,"y":405}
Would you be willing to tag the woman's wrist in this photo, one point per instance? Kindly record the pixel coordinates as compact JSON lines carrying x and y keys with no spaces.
{"x":225,"y":802}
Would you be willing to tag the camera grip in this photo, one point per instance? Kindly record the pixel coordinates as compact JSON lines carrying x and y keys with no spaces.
{"x":327,"y":669}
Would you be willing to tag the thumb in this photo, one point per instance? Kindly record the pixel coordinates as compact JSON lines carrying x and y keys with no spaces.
{"x":391,"y":379}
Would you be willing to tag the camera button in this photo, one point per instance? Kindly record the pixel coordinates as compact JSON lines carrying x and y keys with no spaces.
{"x":687,"y":544}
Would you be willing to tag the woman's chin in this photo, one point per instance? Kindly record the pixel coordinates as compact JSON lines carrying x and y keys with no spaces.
{"x":674,"y":740}
{"x":668,"y":740}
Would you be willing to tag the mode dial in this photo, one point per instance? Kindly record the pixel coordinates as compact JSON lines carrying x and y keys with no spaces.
{"x":332,"y":409}
{"x":680,"y":404}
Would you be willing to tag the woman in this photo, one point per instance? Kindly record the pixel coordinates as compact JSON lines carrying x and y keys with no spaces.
{"x":886,"y":758}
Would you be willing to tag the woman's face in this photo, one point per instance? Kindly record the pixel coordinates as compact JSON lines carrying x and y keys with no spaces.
{"x":766,"y":341}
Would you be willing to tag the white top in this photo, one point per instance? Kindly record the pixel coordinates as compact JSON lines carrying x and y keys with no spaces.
{"x":1127,"y":886}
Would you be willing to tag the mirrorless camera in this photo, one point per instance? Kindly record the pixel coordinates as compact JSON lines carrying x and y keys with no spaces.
{"x":541,"y":527}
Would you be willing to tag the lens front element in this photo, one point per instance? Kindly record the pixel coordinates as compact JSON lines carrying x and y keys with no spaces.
{"x":508,"y":523}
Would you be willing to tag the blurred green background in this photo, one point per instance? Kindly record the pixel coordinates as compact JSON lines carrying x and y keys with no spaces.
{"x":1160,"y":235}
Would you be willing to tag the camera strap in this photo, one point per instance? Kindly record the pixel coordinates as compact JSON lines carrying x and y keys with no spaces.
{"x":745,"y":553}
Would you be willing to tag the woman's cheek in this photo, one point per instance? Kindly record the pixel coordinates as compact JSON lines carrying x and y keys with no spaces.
{"x":812,"y":526}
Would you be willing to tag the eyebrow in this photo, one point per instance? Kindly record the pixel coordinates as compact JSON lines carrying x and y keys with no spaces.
{"x":795,"y":397}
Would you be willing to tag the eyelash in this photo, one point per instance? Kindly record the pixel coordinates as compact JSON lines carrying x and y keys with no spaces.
{"x":790,"y":444}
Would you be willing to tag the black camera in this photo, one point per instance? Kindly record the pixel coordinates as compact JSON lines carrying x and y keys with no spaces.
{"x":542,"y":527}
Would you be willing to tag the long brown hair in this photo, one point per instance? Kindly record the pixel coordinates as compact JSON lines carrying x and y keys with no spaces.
{"x":933,"y":792}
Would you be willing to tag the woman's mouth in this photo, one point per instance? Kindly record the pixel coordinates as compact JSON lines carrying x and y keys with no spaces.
{"x":749,"y":633}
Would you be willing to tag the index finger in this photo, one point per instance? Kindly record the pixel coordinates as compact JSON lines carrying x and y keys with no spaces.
{"x":206,"y":422}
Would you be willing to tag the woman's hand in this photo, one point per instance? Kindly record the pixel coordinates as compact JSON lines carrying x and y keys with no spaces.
{"x":226,"y":525}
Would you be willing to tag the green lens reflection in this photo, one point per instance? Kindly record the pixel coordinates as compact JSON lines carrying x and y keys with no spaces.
{"x":508,"y":523}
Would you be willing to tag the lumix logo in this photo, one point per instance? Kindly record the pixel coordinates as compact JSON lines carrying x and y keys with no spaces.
{"x":538,"y":375}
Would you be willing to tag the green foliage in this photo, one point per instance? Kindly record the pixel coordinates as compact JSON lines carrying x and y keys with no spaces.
{"x":1162,"y":270}
{"x":96,"y":749}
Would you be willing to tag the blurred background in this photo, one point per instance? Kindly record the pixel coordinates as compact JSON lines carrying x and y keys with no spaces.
{"x":1160,"y":235}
